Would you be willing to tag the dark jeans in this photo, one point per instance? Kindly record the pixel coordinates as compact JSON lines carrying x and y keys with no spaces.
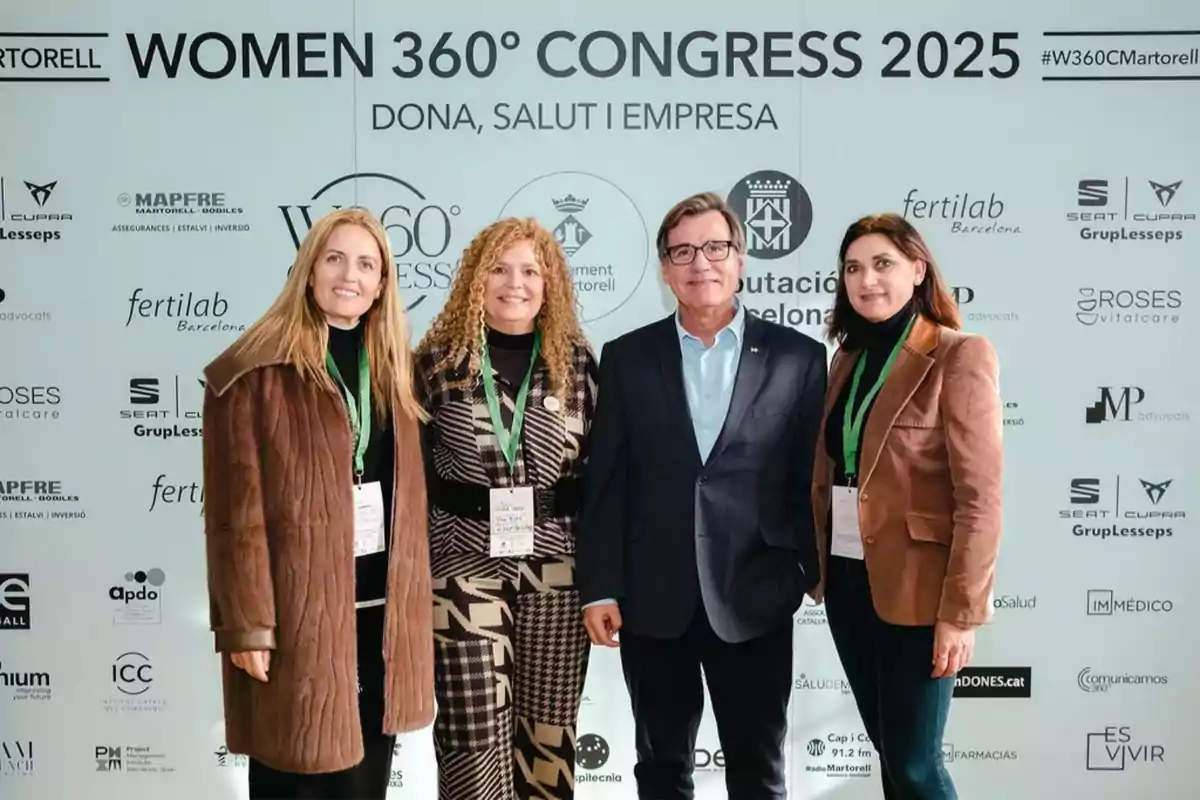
{"x":366,"y":780}
{"x":749,"y":684}
{"x":889,"y":666}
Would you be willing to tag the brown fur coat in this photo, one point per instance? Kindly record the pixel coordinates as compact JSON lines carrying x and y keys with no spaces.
{"x":280,"y":545}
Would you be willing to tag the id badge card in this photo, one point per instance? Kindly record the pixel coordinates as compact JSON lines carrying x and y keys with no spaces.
{"x":847,"y":539}
{"x":368,"y":519}
{"x":511,"y":528}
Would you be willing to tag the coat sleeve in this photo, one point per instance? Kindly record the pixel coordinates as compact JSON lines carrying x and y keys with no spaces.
{"x":973,"y":419}
{"x":600,"y":547}
{"x":240,"y":588}
{"x":805,"y":432}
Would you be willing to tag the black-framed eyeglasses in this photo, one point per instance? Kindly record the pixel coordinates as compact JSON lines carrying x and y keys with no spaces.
{"x":684,"y":254}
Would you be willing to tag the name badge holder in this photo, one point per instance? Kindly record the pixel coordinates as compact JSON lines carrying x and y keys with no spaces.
{"x":847,"y":530}
{"x":511,"y":517}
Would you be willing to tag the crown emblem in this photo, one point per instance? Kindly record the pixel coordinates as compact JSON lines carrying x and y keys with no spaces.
{"x":769,"y":188}
{"x":570,"y":204}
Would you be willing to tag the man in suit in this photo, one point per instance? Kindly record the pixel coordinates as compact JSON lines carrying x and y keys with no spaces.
{"x":696,"y":538}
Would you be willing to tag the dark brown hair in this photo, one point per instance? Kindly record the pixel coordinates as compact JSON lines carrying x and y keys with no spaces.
{"x":932,"y":299}
{"x":700,"y":204}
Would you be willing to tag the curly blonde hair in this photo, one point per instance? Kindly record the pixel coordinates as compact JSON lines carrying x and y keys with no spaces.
{"x":458,"y":329}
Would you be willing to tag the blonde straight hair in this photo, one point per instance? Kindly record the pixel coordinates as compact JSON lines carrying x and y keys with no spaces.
{"x":297,"y":322}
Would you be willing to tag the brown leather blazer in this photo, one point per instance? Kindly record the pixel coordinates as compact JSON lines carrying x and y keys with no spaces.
{"x":279,"y":528}
{"x":930,"y":479}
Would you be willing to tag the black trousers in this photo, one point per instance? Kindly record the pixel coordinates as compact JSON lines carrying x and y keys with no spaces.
{"x":367,"y":780}
{"x":749,"y":684}
{"x":889,"y":667}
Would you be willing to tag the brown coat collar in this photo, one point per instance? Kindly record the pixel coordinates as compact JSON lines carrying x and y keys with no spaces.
{"x":235,"y":362}
{"x":910,"y":368}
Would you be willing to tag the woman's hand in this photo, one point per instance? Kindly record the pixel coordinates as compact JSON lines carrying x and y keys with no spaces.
{"x":952,"y":648}
{"x":254,"y":662}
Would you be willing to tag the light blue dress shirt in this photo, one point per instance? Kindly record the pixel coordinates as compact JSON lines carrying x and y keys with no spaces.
{"x":708,"y":377}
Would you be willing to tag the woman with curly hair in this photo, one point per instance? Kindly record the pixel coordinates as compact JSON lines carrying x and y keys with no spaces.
{"x":509,"y":383}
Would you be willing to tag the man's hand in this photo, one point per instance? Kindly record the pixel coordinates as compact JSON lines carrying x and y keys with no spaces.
{"x":254,"y":662}
{"x":817,"y":593}
{"x":602,"y":621}
{"x":952,"y":648}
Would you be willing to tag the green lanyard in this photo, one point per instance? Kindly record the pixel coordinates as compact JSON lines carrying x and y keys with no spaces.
{"x":508,"y":439}
{"x":360,"y":412}
{"x":852,"y":423}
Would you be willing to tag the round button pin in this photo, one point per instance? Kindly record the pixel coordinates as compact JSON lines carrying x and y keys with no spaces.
{"x":551,"y":403}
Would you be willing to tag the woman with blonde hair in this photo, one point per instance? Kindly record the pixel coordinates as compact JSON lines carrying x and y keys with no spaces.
{"x":509,"y":383}
{"x":315,"y":523}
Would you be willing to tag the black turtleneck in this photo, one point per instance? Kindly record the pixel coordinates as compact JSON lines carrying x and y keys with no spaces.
{"x":378,"y":462}
{"x":510,"y":355}
{"x":875,"y":340}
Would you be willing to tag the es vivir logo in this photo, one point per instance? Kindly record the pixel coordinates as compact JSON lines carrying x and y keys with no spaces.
{"x":1109,"y":508}
{"x":1131,"y":210}
{"x":423,"y":230}
{"x":31,"y":211}
{"x":1115,"y":749}
{"x":165,"y":408}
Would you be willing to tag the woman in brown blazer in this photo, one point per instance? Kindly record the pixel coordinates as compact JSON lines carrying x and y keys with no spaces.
{"x":315,"y":522}
{"x":906,"y":493}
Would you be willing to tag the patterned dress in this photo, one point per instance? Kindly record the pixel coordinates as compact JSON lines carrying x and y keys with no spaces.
{"x":511,"y":651}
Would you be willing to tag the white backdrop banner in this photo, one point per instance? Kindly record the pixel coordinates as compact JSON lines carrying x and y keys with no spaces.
{"x":160,"y":163}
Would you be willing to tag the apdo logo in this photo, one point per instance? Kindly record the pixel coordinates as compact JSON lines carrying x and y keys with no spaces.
{"x":420,"y":229}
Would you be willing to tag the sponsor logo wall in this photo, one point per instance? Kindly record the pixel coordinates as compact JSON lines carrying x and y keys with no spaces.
{"x":167,"y":168}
